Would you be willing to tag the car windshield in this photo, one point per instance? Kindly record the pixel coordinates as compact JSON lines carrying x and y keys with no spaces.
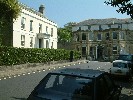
{"x":125,"y":57}
{"x":65,"y":87}
{"x":120,"y":65}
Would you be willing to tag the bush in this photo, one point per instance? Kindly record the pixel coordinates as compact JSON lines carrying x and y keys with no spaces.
{"x":15,"y":56}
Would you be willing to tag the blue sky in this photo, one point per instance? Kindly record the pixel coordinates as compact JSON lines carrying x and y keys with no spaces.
{"x":64,"y":11}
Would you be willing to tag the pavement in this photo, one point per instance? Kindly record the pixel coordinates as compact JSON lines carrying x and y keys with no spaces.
{"x":8,"y":71}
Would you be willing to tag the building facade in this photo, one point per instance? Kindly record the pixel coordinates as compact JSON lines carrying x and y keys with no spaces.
{"x":33,"y":30}
{"x":103,"y":38}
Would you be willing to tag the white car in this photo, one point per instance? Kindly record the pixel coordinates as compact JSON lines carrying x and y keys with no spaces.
{"x":121,"y":68}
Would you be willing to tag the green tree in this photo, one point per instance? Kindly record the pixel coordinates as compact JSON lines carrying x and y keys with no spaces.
{"x":124,"y":6}
{"x":9,"y":10}
{"x":65,"y":33}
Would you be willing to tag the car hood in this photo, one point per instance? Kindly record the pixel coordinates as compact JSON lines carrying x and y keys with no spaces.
{"x":50,"y":97}
{"x":55,"y":97}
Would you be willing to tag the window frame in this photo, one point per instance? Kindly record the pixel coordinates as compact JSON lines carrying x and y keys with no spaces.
{"x":22,"y":40}
{"x":115,"y":50}
{"x":91,"y":36}
{"x":100,"y":37}
{"x":115,"y":37}
{"x":23,"y":20}
{"x":31,"y":25}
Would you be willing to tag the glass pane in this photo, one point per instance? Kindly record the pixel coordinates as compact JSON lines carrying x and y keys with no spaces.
{"x":68,"y":86}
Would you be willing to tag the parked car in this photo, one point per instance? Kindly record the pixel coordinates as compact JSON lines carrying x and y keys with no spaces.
{"x":127,"y":57}
{"x":76,"y":84}
{"x":121,"y":68}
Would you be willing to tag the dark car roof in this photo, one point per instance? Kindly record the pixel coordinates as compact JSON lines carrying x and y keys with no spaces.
{"x":90,"y":73}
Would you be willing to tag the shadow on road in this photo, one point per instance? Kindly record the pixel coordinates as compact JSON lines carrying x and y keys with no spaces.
{"x":19,"y":98}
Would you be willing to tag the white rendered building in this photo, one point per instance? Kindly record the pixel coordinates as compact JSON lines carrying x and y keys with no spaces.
{"x":33,"y":30}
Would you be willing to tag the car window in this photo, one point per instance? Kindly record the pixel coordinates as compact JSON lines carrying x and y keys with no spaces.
{"x":120,"y":65}
{"x":125,"y":57}
{"x":76,"y":88}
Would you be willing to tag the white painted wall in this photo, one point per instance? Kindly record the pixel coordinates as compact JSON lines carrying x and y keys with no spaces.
{"x":17,"y":31}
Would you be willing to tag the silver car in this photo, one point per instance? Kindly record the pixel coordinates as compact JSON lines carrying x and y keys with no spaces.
{"x":121,"y":68}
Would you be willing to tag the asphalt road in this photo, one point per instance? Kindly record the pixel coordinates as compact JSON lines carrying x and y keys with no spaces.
{"x":20,"y":86}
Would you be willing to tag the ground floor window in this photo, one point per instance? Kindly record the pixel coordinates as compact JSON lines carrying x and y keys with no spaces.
{"x":83,"y":51}
{"x":115,"y":49}
{"x":22,"y":40}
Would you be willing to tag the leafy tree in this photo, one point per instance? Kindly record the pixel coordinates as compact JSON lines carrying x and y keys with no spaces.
{"x":9,"y":10}
{"x":124,"y":6}
{"x":65,"y":34}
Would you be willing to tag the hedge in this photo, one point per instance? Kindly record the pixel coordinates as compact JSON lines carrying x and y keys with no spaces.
{"x":16,"y":56}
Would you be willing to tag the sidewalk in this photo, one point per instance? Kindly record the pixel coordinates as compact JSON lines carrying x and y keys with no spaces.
{"x":8,"y":71}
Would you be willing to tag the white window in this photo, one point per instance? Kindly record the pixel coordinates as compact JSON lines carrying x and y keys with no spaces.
{"x":46,"y":29}
{"x":51,"y":32}
{"x":31,"y":41}
{"x":99,"y":36}
{"x":91,"y":36}
{"x":47,"y":44}
{"x":31,"y":25}
{"x":115,"y":35}
{"x":115,"y":49}
{"x":40,"y":28}
{"x":121,"y":35}
{"x":22,"y":40}
{"x":23,"y":23}
{"x":52,"y":45}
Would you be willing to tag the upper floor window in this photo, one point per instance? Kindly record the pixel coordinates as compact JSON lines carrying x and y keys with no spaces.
{"x":46,"y":29}
{"x":120,"y":26}
{"x":99,"y":36}
{"x":31,"y":41}
{"x":77,"y":37}
{"x":22,"y":40}
{"x":100,"y":27}
{"x":83,"y":36}
{"x":79,"y":29}
{"x":51,"y":31}
{"x":89,"y":27}
{"x":31,"y":25}
{"x":121,"y":35}
{"x":23,"y":22}
{"x":109,"y":26}
{"x":114,"y":35}
{"x":91,"y":36}
{"x":107,"y":36}
{"x":40,"y":28}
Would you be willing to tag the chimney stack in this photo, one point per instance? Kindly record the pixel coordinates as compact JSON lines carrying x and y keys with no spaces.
{"x":41,"y":9}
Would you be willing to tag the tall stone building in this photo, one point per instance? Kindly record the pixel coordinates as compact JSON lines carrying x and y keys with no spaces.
{"x":103,"y":38}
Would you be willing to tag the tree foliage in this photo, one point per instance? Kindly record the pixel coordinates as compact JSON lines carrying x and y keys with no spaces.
{"x":65,"y":34}
{"x":124,"y":6}
{"x":9,"y":9}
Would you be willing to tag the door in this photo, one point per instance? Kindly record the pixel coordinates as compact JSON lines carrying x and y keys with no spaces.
{"x":40,"y":43}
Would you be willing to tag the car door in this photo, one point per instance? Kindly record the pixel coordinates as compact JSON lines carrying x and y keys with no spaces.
{"x":106,"y":89}
{"x":113,"y":90}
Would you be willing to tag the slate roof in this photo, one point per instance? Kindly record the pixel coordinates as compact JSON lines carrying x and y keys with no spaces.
{"x":105,"y":21}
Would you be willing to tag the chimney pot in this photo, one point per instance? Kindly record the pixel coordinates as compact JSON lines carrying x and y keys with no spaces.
{"x":41,"y":9}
